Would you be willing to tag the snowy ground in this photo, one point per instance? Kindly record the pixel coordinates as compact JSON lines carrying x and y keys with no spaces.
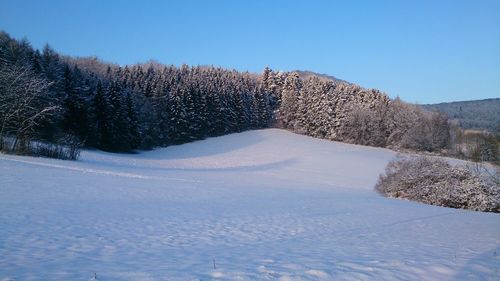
{"x":262,"y":205}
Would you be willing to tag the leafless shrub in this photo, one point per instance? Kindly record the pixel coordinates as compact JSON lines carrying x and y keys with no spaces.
{"x":434,"y":181}
{"x":490,"y":173}
{"x":67,"y":148}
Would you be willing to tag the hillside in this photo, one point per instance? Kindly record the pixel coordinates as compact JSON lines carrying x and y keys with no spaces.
{"x":304,"y":74}
{"x":475,"y":114}
{"x":258,"y":205}
{"x":142,"y":106}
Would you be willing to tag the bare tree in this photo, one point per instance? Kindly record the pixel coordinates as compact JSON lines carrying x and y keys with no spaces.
{"x":21,"y":104}
{"x":364,"y":125}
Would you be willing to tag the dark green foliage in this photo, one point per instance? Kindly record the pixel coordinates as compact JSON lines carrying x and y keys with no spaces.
{"x":477,"y":114}
{"x":147,"y":105}
{"x":140,"y":106}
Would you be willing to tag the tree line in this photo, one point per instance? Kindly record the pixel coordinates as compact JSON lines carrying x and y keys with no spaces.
{"x":47,"y":96}
{"x":121,"y":108}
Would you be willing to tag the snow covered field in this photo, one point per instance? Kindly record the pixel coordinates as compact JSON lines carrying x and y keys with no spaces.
{"x":259,"y":205}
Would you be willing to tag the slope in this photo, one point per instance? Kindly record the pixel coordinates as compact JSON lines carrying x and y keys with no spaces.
{"x":258,"y":205}
{"x":305,"y":74}
{"x":475,"y":114}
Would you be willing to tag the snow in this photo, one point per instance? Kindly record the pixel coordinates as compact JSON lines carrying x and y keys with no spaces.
{"x":258,"y":205}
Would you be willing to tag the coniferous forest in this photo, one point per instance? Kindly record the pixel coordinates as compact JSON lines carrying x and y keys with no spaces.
{"x":249,"y":140}
{"x":46,"y":96}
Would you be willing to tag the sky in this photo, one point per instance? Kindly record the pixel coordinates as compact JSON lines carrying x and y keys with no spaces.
{"x":422,"y":51}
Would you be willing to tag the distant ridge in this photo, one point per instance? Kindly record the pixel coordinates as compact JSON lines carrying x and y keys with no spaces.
{"x":474,"y":114}
{"x":304,"y":74}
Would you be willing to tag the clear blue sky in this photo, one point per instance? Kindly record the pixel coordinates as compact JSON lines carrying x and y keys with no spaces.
{"x":423,"y":51}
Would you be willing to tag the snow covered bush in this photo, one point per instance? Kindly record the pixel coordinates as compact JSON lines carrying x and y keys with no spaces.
{"x":434,"y":181}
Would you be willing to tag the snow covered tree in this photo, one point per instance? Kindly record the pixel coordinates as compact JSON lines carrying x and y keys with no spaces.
{"x":151,"y":104}
{"x":287,"y":113}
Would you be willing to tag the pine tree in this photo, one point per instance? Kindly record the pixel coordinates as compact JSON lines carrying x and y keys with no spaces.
{"x":261,"y":110}
{"x":288,"y":110}
{"x":102,"y":119}
{"x":75,"y":118}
